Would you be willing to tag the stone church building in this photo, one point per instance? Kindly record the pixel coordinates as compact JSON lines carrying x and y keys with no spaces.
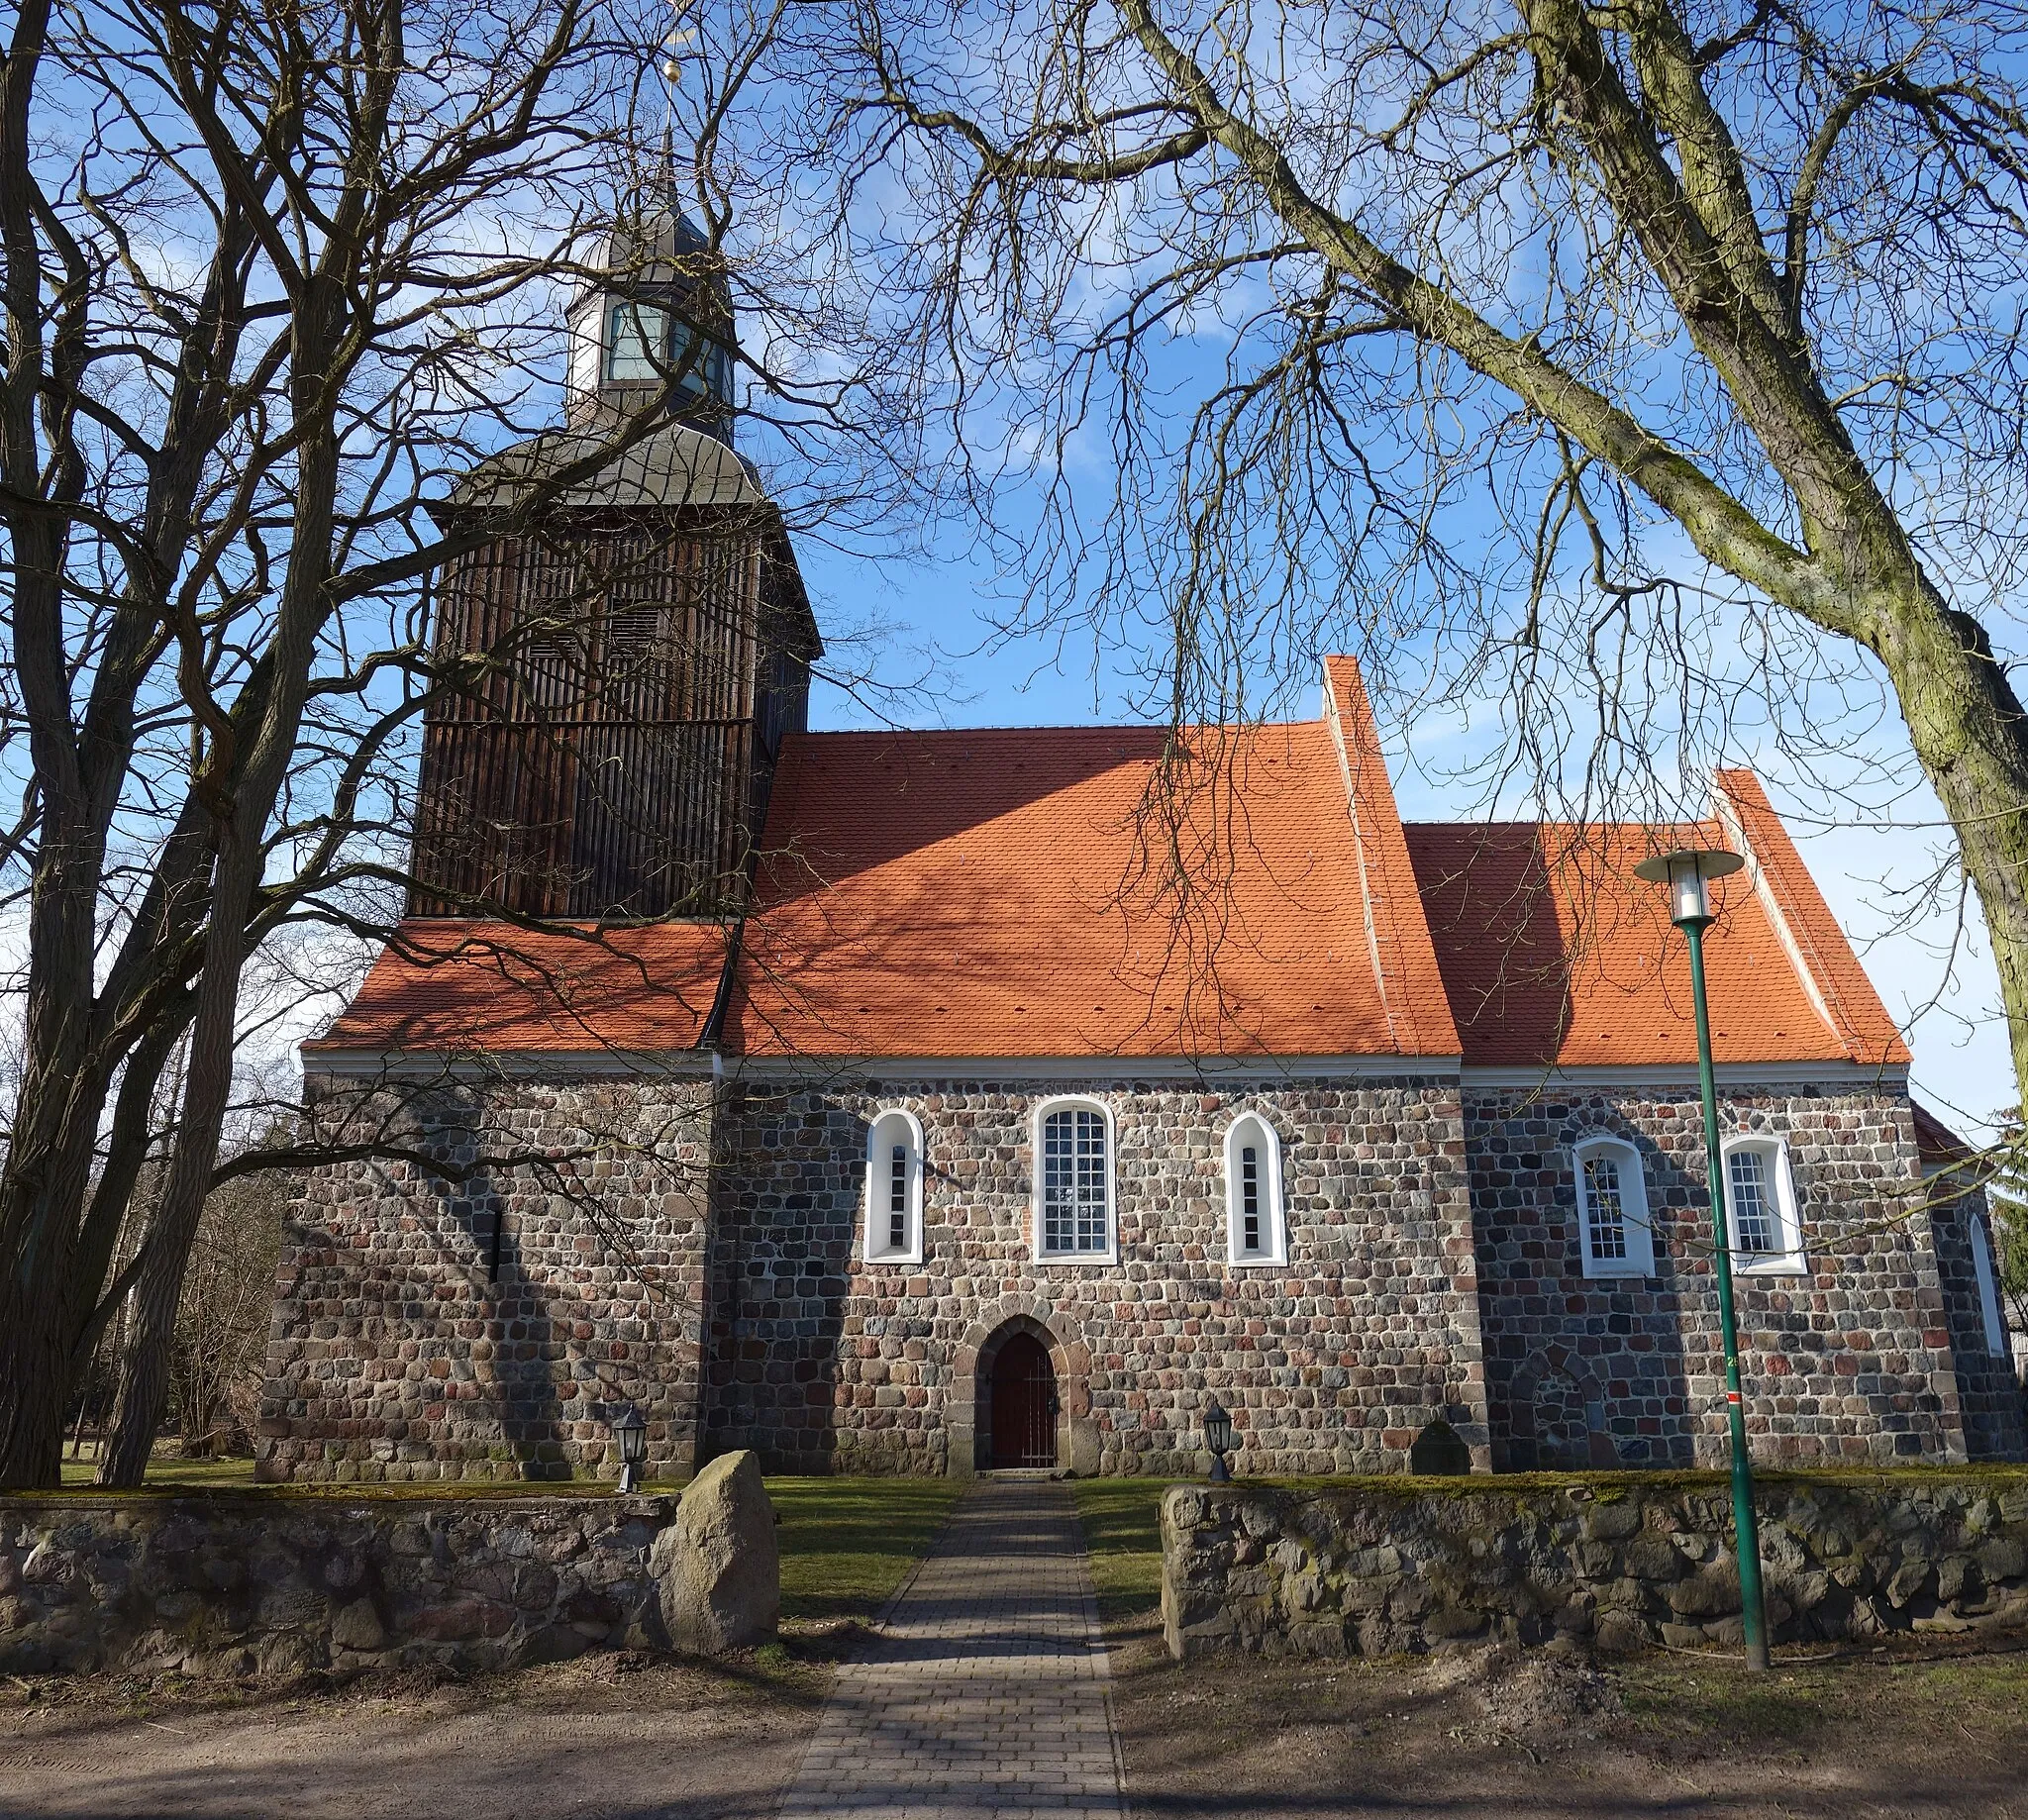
{"x":931,"y":1103}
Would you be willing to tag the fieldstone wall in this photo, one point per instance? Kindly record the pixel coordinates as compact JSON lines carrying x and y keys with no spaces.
{"x":430,"y":1327}
{"x":706,"y":1266}
{"x":272,"y":1584}
{"x":1331,"y":1363}
{"x":1990,"y":1394}
{"x":1852,"y":1362}
{"x":1622,"y":1562}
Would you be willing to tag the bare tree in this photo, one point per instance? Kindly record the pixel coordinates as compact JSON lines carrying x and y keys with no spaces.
{"x":222,"y":1319}
{"x":276,"y":276}
{"x":1660,"y":363}
{"x":2012,"y":1247}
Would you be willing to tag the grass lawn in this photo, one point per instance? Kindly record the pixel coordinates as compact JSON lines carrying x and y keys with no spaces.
{"x":1122,"y":1520}
{"x":848,"y":1542}
{"x":165,"y":1469}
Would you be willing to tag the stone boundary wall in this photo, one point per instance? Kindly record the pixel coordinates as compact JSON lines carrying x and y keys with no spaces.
{"x":1622,"y":1562}
{"x":276,"y":1584}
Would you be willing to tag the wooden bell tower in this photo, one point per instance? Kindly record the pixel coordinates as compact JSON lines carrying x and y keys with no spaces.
{"x":626,"y":662}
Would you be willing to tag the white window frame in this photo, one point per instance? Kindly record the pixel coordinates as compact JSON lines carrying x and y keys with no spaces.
{"x":1636,"y":1220}
{"x":1788,"y":1258}
{"x":875,"y":1245}
{"x":1274,"y":1223}
{"x":1075,"y":1102}
{"x":1979,"y":1236}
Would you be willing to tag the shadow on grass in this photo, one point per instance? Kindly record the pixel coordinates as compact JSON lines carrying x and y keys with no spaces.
{"x":846,"y":1544}
{"x":1909,"y":1732}
{"x":794,"y":1672}
{"x":1122,"y":1520}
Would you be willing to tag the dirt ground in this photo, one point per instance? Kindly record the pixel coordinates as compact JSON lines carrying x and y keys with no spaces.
{"x":1858,"y":1735}
{"x":609,"y":1735}
{"x":1478,"y":1736}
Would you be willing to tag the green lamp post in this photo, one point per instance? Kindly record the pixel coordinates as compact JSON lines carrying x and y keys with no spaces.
{"x":1687,"y":873}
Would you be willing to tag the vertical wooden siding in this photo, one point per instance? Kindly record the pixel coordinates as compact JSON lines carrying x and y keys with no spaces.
{"x":600,"y":758}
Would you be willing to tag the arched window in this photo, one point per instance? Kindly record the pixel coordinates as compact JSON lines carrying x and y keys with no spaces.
{"x":1979,"y":1236}
{"x":894,"y":1189}
{"x":1615,"y":1235}
{"x":1760,"y":1206}
{"x":1254,"y":1231}
{"x":1074,"y":1180}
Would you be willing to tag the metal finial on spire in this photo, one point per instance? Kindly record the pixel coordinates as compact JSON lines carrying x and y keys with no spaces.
{"x":672,"y":73}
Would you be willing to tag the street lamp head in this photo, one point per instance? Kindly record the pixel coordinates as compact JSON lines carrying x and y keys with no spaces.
{"x":1218,"y":1440}
{"x":632,"y":1434}
{"x":1687,"y":873}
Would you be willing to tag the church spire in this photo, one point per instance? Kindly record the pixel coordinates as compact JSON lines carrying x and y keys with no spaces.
{"x":656,"y":318}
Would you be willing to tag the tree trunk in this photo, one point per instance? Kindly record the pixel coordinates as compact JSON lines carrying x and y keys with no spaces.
{"x":36,"y":1331}
{"x":108,"y":1216}
{"x":35,"y":1363}
{"x":208,"y":1077}
{"x":1971,"y":737}
{"x":207,"y":1090}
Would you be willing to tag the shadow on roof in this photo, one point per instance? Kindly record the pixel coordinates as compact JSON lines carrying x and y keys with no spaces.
{"x":1500,"y":949}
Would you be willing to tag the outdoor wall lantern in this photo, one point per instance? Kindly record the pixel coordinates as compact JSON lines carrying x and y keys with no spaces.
{"x":632,"y":1434}
{"x":1688,"y":873}
{"x":1218,"y":1437}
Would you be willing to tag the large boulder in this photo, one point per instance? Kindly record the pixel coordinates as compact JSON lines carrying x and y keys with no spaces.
{"x":717,"y":1565}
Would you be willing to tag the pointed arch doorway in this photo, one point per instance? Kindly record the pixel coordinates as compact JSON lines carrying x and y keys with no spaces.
{"x":1022,"y":1404}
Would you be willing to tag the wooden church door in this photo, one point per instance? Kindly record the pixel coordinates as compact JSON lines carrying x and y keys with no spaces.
{"x":1024,"y":1404}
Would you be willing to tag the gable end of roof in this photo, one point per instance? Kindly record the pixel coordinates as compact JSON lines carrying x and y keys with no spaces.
{"x":1404,"y":957}
{"x":1825,"y":966}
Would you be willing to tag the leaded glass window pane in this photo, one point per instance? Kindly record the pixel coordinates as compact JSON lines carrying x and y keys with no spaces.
{"x":897,"y":1199}
{"x":1073,"y":1181}
{"x":1249,"y":1199}
{"x":1753,"y":1215}
{"x":1602,"y":1195}
{"x":1988,"y":1297}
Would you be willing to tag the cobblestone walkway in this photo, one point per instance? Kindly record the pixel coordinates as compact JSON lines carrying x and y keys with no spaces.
{"x":988,"y":1694}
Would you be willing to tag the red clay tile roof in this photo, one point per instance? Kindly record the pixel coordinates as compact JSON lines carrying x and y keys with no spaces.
{"x":1552,"y":951}
{"x":1936,"y":1143}
{"x":1845,"y":993}
{"x":473,"y":988}
{"x":1001,"y":893}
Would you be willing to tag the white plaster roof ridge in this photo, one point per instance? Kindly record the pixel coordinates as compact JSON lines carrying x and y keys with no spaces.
{"x":1797,"y":946}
